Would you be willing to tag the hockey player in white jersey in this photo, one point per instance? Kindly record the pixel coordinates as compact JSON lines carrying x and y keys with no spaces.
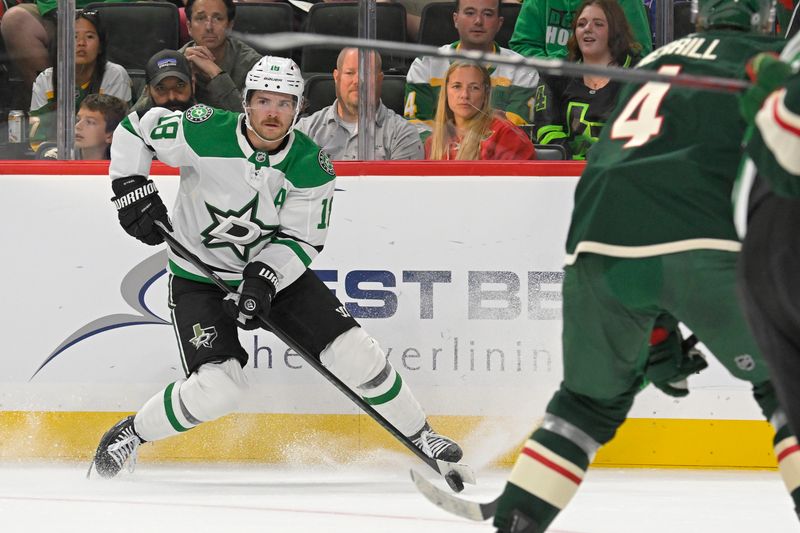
{"x":254,"y":204}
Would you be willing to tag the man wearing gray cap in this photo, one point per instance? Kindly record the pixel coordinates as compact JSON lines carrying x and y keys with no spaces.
{"x":169,"y":83}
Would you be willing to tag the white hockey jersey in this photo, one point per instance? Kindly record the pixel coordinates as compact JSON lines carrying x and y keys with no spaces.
{"x":235,"y":204}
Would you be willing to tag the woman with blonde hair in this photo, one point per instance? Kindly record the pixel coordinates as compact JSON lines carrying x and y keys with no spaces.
{"x":466,"y":127}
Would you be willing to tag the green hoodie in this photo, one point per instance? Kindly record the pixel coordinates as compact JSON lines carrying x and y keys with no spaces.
{"x":544,"y":26}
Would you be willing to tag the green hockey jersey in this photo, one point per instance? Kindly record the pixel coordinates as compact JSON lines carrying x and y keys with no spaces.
{"x":775,"y":145}
{"x":659,"y":179}
{"x":235,"y":204}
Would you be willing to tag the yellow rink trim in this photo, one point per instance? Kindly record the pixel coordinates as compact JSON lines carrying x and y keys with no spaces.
{"x":279,"y":438}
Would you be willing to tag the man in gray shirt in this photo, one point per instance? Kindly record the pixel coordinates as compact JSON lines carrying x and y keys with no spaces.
{"x":335,"y":128}
{"x":219,"y":62}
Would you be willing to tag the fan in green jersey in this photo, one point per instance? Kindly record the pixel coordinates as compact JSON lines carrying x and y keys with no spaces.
{"x":652,"y":233}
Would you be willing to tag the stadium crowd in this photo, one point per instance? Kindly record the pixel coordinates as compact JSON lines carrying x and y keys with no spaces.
{"x":516,"y":114}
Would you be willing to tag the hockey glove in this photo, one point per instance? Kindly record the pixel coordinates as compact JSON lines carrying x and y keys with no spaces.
{"x":671,"y":362}
{"x":254,"y":297}
{"x":768,"y":73}
{"x":138,"y":207}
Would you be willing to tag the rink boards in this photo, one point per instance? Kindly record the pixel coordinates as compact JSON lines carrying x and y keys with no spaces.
{"x":454,"y":268}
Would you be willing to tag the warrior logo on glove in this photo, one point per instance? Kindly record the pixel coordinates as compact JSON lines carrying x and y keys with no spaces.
{"x":138,"y":207}
{"x":254,"y":297}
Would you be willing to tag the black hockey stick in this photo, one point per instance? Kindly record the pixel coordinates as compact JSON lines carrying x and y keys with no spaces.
{"x":453,"y":504}
{"x":555,"y":67}
{"x":456,"y":474}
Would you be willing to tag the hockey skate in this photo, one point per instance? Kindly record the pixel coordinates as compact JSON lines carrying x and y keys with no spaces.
{"x":436,"y":446}
{"x":118,"y":446}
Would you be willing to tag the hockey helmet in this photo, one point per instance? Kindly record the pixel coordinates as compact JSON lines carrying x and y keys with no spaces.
{"x":276,"y":74}
{"x":748,"y":15}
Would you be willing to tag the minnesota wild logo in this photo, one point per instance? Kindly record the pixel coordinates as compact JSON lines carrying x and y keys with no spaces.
{"x":238,"y":230}
{"x":203,"y":337}
{"x":199,"y":113}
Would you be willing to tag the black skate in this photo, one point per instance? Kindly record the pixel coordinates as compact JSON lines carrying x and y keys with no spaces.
{"x":117,"y":447}
{"x":437,"y":446}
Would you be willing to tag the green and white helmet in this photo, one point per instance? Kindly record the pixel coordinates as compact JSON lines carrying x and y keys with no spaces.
{"x":747,"y":15}
{"x":276,"y":74}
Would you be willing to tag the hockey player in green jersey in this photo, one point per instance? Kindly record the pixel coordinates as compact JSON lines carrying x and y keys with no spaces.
{"x":768,"y":208}
{"x":254,"y":205}
{"x":652,"y":232}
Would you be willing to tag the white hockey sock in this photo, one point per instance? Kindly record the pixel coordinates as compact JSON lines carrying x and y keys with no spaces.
{"x":357,"y":359}
{"x":392,"y":398}
{"x":214,"y":390}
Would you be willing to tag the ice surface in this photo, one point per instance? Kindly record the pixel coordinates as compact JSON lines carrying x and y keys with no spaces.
{"x":195,"y":498}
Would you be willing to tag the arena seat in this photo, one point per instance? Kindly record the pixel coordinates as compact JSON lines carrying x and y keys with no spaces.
{"x":394,"y":92}
{"x":320,"y":92}
{"x":682,"y":24}
{"x":137,"y":30}
{"x":550,"y":152}
{"x":341,"y":19}
{"x":260,"y":18}
{"x":436,"y":24}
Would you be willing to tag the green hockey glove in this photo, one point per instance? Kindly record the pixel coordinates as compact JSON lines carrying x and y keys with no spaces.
{"x":768,"y":73}
{"x":672,"y":361}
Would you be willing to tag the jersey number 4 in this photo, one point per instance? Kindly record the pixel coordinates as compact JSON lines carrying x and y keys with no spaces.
{"x":639,"y":121}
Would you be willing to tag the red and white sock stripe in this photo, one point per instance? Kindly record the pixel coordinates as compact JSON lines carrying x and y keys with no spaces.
{"x":546,"y":475}
{"x":788,"y":453}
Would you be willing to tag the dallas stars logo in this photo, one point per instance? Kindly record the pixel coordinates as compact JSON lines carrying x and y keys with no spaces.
{"x":203,"y":337}
{"x":199,"y":113}
{"x":239,"y":230}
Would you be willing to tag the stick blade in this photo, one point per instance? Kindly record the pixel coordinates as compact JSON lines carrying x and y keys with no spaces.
{"x":470,"y":510}
{"x":463,"y":471}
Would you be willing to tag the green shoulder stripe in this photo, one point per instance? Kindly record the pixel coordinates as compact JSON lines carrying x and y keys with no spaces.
{"x":211,"y":132}
{"x":306,"y":166}
{"x":126,"y":123}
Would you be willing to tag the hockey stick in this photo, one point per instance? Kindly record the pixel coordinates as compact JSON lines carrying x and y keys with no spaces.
{"x":456,"y":474}
{"x":555,"y":67}
{"x":453,"y":504}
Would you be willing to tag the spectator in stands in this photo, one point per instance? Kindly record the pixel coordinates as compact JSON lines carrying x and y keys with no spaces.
{"x":29,"y":32}
{"x":98,"y":116}
{"x":544,"y":27}
{"x":93,"y":75}
{"x":170,"y":83}
{"x":477,"y":23}
{"x":571,"y":111}
{"x":335,"y":128}
{"x":466,"y":127}
{"x":220,"y":63}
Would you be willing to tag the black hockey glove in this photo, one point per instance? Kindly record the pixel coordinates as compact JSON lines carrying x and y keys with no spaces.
{"x":254,"y":296}
{"x":138,"y":207}
{"x":672,"y":361}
